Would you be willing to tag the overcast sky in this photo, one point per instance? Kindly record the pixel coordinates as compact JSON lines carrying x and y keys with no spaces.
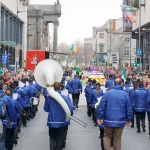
{"x":79,"y":16}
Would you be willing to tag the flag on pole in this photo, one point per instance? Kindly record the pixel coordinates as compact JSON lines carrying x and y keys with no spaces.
{"x":128,"y":13}
{"x":72,"y":53}
{"x":72,"y":48}
{"x":76,"y":49}
{"x":124,"y":74}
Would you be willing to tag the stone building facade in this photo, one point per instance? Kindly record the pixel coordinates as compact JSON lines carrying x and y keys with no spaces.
{"x":39,"y":19}
{"x":13,"y":29}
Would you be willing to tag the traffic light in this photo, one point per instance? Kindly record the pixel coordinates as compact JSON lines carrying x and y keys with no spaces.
{"x":135,"y":60}
{"x":134,"y":64}
{"x":138,"y":60}
{"x":9,"y":58}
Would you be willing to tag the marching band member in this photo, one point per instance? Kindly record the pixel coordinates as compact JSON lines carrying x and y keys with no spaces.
{"x":95,"y":95}
{"x":10,"y":121}
{"x":109,"y":82}
{"x":140,"y":107}
{"x":115,"y":111}
{"x":26,"y":103}
{"x":33,"y":93}
{"x":76,"y":86}
{"x":147,"y":99}
{"x":56,"y":119}
{"x":88,"y":92}
{"x":18,"y":101}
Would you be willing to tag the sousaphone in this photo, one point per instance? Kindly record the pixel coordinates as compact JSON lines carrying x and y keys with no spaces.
{"x":46,"y":73}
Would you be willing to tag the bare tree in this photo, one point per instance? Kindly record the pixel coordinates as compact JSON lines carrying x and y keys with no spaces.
{"x":78,"y":56}
{"x":88,"y":52}
{"x":118,"y":46}
{"x":63,"y":48}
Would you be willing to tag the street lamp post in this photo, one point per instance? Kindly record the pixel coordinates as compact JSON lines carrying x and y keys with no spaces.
{"x":140,"y":28}
{"x":141,"y":3}
{"x":130,"y":49}
{"x":17,"y":47}
{"x":17,"y":39}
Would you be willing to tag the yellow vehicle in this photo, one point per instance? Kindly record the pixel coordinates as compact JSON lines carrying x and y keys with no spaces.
{"x":99,"y":77}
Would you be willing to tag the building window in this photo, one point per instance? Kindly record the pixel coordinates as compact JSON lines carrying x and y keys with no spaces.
{"x":127,"y":39}
{"x":134,"y":51}
{"x":126,"y":51}
{"x":101,"y":47}
{"x":101,"y":35}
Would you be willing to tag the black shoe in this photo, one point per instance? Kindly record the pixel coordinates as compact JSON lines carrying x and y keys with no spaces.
{"x":95,"y":124}
{"x":28,"y":119}
{"x":132,"y":126}
{"x":144,"y":130}
{"x":15,"y":141}
{"x":64,"y":145}
{"x":138,"y":131}
{"x":19,"y":131}
{"x":32,"y":116}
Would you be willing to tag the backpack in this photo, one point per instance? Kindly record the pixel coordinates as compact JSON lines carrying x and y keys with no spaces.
{"x":2,"y":107}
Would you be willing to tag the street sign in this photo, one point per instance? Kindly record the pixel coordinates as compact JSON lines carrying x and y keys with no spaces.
{"x":34,"y":62}
{"x":139,"y":52}
{"x":4,"y":58}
